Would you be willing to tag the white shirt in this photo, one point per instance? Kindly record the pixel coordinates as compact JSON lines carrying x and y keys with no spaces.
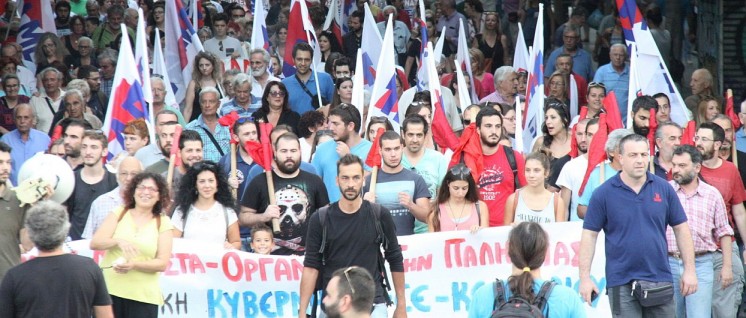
{"x":44,"y":115}
{"x":207,"y":226}
{"x":230,"y":45}
{"x":571,"y":177}
{"x":305,"y":150}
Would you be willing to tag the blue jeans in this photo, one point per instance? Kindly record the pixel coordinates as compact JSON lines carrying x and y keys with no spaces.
{"x":697,"y":304}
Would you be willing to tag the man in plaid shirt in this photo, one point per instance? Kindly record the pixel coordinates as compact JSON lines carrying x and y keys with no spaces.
{"x":708,"y":222}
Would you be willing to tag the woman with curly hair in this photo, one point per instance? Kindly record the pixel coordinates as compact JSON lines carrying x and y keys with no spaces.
{"x":206,"y":72}
{"x":457,"y":206}
{"x":328,"y":44}
{"x":48,"y":50}
{"x":137,"y":238}
{"x":205,"y":207}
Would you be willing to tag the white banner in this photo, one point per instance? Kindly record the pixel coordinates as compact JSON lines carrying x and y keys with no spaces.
{"x":442,"y":272}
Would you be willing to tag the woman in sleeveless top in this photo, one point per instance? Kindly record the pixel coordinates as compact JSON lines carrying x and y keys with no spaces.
{"x":457,"y":206}
{"x":534,"y":203}
{"x":137,"y":238}
{"x":206,"y":72}
{"x":204,"y":207}
{"x":556,"y":139}
{"x":495,"y":45}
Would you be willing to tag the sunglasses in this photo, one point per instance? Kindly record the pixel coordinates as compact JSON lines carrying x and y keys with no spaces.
{"x":347,"y":276}
{"x":596,"y":84}
{"x":277,"y":94}
{"x":242,"y":120}
{"x":460,"y":171}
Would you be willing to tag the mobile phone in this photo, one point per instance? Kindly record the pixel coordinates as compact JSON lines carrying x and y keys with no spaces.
{"x":594,"y":295}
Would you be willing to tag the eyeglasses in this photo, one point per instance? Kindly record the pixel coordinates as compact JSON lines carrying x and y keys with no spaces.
{"x":277,"y":94}
{"x":143,"y":188}
{"x":349,"y":282}
{"x":460,"y":171}
{"x":242,"y":120}
{"x":556,"y":84}
{"x":510,"y":119}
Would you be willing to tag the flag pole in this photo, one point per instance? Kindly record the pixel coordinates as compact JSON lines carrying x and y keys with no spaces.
{"x":272,"y":199}
{"x":233,"y":167}
{"x":315,"y":74}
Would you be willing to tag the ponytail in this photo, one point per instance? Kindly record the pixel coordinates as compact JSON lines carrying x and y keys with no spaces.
{"x":527,"y":248}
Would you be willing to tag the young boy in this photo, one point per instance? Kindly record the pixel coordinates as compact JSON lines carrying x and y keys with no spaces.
{"x":262,"y":239}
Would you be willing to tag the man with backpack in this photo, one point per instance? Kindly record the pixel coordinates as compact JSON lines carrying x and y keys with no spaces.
{"x":351,"y":232}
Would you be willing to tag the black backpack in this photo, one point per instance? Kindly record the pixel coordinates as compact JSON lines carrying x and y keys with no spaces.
{"x":375,"y":215}
{"x":519,"y":307}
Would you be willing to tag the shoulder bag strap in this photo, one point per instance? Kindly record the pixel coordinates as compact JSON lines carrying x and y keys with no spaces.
{"x":513,"y":166}
{"x":303,"y":86}
{"x":51,"y":109}
{"x":515,"y":200}
{"x":499,"y":294}
{"x":542,"y":297}
{"x":214,"y":142}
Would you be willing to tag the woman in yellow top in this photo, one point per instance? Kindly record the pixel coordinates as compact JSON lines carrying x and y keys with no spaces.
{"x":137,"y":238}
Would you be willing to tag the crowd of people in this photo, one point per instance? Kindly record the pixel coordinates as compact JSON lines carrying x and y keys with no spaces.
{"x":684,"y":202}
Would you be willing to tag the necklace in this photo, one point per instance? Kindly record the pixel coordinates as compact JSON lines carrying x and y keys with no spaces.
{"x":456,"y":220}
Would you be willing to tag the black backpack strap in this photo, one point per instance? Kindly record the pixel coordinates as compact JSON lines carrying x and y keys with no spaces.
{"x":322,"y":220}
{"x":513,"y":165}
{"x":499,"y":294}
{"x":384,"y":242}
{"x":542,"y":297}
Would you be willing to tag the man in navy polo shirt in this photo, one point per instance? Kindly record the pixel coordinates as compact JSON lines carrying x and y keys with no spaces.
{"x":633,"y":209}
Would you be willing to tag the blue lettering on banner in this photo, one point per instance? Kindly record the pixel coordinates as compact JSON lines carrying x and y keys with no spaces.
{"x":272,"y":304}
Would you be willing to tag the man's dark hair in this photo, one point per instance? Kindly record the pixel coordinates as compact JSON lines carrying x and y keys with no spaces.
{"x":630,"y":138}
{"x":115,"y":10}
{"x":579,"y":11}
{"x":188,"y":135}
{"x":358,"y":14}
{"x":75,"y":122}
{"x":565,"y":55}
{"x":413,"y":119}
{"x":653,"y":14}
{"x":62,"y":4}
{"x":93,"y":20}
{"x":389,"y":135}
{"x":659,"y":95}
{"x":348,"y":113}
{"x":359,"y":280}
{"x":286,"y":136}
{"x":694,"y":154}
{"x":350,"y":159}
{"x":4,"y":147}
{"x":342,"y":61}
{"x":84,"y":71}
{"x":309,"y":119}
{"x":302,"y":46}
{"x":487,"y":112}
{"x":591,"y":122}
{"x":645,"y":102}
{"x":718,"y":134}
{"x":220,"y":17}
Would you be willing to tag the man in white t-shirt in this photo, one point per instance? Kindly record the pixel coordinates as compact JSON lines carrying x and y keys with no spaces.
{"x":571,"y":176}
{"x":222,"y":45}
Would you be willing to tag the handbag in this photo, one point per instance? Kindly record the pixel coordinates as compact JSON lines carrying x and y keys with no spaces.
{"x":651,"y":294}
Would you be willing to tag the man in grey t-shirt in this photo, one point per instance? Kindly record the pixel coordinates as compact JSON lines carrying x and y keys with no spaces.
{"x":403,"y":192}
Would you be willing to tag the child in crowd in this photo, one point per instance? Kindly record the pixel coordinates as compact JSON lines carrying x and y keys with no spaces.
{"x":262,"y":239}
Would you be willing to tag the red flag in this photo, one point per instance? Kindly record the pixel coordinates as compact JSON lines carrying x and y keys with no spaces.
{"x":470,"y":148}
{"x":574,"y":151}
{"x":175,"y":146}
{"x":374,"y":155}
{"x":730,"y":110}
{"x":596,"y":152}
{"x":613,"y":116}
{"x":261,"y":151}
{"x":229,"y":120}
{"x":651,"y":133}
{"x":56,"y":134}
{"x":687,"y":137}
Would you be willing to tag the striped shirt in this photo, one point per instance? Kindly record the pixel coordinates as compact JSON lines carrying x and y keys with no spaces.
{"x":706,"y":216}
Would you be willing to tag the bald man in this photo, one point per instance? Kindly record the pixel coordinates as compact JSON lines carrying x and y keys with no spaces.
{"x":702,"y":85}
{"x":25,"y":140}
{"x":108,"y":202}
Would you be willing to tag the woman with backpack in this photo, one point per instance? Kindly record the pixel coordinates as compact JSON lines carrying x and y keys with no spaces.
{"x":525,"y":293}
{"x":534,"y":202}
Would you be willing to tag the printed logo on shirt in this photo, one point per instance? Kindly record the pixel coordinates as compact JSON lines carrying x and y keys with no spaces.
{"x":657,"y":197}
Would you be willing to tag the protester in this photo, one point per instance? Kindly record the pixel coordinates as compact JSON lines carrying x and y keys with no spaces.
{"x":458,"y":189}
{"x":351,"y":299}
{"x":534,"y":202}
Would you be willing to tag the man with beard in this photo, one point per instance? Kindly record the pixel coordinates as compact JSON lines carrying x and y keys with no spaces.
{"x":349,"y":293}
{"x":352,"y":40}
{"x":257,"y":169}
{"x":497,"y":179}
{"x":708,"y":221}
{"x":91,"y":181}
{"x":260,"y":76}
{"x":105,"y":35}
{"x":62,"y":18}
{"x":401,"y":191}
{"x":303,"y":82}
{"x":72,"y":134}
{"x":25,"y":140}
{"x":107,"y":202}
{"x":571,"y":177}
{"x":667,"y":138}
{"x":12,"y":234}
{"x":724,"y":176}
{"x":298,"y":194}
{"x":641,"y":114}
{"x":98,"y":102}
{"x":190,"y":149}
{"x":344,"y":122}
{"x":727,"y":146}
{"x":428,"y":163}
{"x":156,"y":151}
{"x":353,"y":226}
